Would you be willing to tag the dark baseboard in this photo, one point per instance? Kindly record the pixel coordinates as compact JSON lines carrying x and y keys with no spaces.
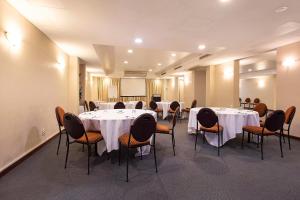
{"x":292,"y":136}
{"x":25,"y":157}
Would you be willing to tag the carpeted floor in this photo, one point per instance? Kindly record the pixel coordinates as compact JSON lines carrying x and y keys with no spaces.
{"x":201,"y":174}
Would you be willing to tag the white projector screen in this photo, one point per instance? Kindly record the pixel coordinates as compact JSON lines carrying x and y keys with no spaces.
{"x":131,"y":87}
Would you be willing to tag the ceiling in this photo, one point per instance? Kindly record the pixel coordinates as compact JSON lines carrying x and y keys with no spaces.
{"x":232,"y":30}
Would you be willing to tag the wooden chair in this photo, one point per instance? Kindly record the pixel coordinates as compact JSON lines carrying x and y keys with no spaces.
{"x":273,"y":126}
{"x":76,"y":131}
{"x":119,"y":105}
{"x":169,"y":130}
{"x":92,"y":106}
{"x":86,"y":106}
{"x":153,"y":106}
{"x":140,"y":133}
{"x":247,"y":103}
{"x":209,"y":122}
{"x":139,"y":105}
{"x":187,"y":110}
{"x":59,"y":113}
{"x":289,"y":116}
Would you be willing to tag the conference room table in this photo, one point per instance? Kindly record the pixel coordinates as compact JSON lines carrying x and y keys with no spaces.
{"x":165,"y":106}
{"x":232,"y":120}
{"x":110,"y":105}
{"x":112,"y":123}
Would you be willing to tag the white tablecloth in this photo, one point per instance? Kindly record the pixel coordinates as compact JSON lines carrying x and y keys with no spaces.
{"x":231,"y":119}
{"x":110,"y":105}
{"x":112,"y":124}
{"x":165,"y":106}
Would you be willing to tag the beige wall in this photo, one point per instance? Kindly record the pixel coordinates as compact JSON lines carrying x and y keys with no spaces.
{"x":34,"y":78}
{"x":222,"y":85}
{"x":200,"y":88}
{"x":171,"y":88}
{"x":252,"y":88}
{"x":288,"y":82}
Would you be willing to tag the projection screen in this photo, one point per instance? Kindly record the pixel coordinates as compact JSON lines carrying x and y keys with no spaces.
{"x":131,"y":87}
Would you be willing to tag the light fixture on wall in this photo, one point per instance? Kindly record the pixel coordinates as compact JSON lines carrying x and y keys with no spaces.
{"x":261,"y":83}
{"x":13,"y":39}
{"x":228,"y":73}
{"x":289,"y":62}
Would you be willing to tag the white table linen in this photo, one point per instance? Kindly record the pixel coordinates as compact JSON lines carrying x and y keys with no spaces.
{"x":231,"y":119}
{"x":112,"y":124}
{"x":165,"y":106}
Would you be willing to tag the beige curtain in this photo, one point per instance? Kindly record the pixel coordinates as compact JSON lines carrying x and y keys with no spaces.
{"x":103,"y":84}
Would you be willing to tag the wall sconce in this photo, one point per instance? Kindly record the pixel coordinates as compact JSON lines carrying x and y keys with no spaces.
{"x":106,"y":80}
{"x":228,"y":73}
{"x":13,"y":39}
{"x":289,"y":62}
{"x":261,"y":83}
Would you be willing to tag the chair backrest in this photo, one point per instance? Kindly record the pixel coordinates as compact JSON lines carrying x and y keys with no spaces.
{"x":139,"y":105}
{"x":86,"y":106}
{"x":261,"y":108}
{"x":289,"y":114}
{"x":207,"y":117}
{"x":256,"y":100}
{"x":175,"y":116}
{"x":275,"y":121}
{"x":92,"y":106}
{"x":119,"y":105}
{"x":174,"y":105}
{"x":73,"y":126}
{"x":143,"y":127}
{"x":194,"y":104}
{"x":59,"y":113}
{"x":247,"y":100}
{"x":153,"y":105}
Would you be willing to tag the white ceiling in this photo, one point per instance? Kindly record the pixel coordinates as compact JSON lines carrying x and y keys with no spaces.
{"x":243,"y":27}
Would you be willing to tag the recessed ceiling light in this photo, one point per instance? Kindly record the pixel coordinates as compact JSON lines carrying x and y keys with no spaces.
{"x":281,"y":9}
{"x":130,"y":51}
{"x":125,"y":62}
{"x":201,"y":47}
{"x":159,"y":64}
{"x":150,"y":70}
{"x":173,"y":54}
{"x":138,"y":40}
{"x":224,"y":1}
{"x":249,"y":70}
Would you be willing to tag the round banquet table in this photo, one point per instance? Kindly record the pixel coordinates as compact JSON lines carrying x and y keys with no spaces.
{"x":110,"y":105}
{"x":112,"y":124}
{"x":231,"y":119}
{"x":165,"y":106}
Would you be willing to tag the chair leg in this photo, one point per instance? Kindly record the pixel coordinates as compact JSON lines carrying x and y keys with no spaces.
{"x":261,"y":147}
{"x":96,"y":149}
{"x":196,"y":139}
{"x":127,"y":157}
{"x":222,"y":142}
{"x":218,"y":144}
{"x":289,"y":139}
{"x":283,"y":138}
{"x":119,"y":154}
{"x":248,"y":137}
{"x":173,"y":143}
{"x":141,"y":153}
{"x":67,"y":155}
{"x":89,"y":154}
{"x":58,"y":143}
{"x":154,"y":149}
{"x":281,"y":144}
{"x":243,"y":135}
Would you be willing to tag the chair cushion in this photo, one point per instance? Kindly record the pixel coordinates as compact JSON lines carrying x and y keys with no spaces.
{"x":93,"y":137}
{"x":186,"y":110}
{"x":158,"y":110}
{"x":257,"y":130}
{"x":162,"y":128}
{"x":213,"y":129}
{"x":123,"y":139}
